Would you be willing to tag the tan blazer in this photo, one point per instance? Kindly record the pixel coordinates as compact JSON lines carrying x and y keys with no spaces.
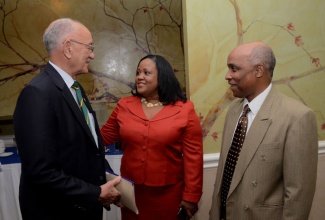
{"x":275,"y":175}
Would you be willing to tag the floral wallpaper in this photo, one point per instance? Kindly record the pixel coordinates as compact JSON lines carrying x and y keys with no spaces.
{"x":195,"y":36}
{"x":123,"y":33}
{"x":295,"y":29}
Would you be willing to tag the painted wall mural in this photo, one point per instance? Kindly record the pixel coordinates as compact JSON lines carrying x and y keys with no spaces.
{"x":295,"y":29}
{"x":123,"y":32}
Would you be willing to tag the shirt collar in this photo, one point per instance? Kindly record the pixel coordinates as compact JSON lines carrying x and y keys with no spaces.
{"x":257,"y":102}
{"x":65,"y":76}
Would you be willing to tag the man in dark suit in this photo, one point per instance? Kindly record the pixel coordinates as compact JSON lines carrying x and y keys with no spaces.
{"x":275,"y":174}
{"x":62,"y":157}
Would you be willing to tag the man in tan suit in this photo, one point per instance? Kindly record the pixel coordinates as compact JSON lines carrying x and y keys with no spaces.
{"x":275,"y":175}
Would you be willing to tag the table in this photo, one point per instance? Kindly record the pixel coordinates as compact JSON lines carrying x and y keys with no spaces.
{"x":9,"y":184}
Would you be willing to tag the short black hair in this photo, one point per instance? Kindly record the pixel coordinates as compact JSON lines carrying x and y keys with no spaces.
{"x":169,"y":89}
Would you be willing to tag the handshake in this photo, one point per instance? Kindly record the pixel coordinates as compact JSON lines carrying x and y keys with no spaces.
{"x":109,"y":194}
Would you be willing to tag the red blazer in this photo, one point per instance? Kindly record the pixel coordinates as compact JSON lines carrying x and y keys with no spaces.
{"x":160,"y":151}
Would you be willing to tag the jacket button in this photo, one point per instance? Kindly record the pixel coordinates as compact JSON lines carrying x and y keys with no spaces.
{"x":254,"y":183}
{"x":101,"y":177}
{"x":245,"y":207}
{"x":263,"y":158}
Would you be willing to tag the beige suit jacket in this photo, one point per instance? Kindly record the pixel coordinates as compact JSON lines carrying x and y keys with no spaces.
{"x":275,"y":175}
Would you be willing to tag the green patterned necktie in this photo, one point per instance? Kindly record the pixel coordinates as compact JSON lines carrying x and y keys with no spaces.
{"x":80,"y":101}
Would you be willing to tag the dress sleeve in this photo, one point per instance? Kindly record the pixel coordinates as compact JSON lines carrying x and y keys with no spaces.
{"x":110,"y":130}
{"x":192,"y":144}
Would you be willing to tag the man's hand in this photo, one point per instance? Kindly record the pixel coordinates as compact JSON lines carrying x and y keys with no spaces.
{"x":109,"y":194}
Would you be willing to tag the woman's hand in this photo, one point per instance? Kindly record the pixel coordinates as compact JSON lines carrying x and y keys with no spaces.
{"x":191,"y":208}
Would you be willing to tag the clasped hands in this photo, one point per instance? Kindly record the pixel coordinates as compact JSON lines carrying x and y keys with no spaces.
{"x":109,"y":194}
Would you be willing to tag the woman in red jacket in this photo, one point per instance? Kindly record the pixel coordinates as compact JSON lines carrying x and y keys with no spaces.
{"x":161,"y":139}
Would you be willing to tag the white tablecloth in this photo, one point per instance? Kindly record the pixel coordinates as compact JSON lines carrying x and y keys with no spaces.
{"x":9,"y":185}
{"x":9,"y":188}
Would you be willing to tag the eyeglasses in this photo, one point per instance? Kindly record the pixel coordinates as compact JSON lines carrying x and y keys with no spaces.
{"x":89,"y":46}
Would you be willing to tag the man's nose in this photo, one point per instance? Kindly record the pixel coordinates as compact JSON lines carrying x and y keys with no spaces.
{"x":92,"y":55}
{"x":228,"y":75}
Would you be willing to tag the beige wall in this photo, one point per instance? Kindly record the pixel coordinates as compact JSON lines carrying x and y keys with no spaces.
{"x":293,"y":28}
{"x":317,"y":211}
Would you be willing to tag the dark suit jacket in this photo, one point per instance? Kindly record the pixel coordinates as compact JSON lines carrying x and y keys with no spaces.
{"x":62,"y":168}
{"x":275,"y":175}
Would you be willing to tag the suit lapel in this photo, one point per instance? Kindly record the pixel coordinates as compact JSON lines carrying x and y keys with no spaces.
{"x":253,"y":139}
{"x":135,"y":107}
{"x":66,"y":93}
{"x":76,"y":111}
{"x":168,"y":111}
{"x":231,"y":122}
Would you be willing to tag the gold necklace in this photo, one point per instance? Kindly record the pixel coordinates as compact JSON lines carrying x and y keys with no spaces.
{"x":150,"y":105}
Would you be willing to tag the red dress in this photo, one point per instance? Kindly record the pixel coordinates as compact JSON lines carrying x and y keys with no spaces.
{"x":163,"y":156}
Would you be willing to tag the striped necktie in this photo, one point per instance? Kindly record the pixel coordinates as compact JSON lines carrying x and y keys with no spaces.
{"x":80,"y":101}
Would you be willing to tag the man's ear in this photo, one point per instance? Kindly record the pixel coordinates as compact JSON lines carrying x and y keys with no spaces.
{"x":259,"y":70}
{"x":67,"y":49}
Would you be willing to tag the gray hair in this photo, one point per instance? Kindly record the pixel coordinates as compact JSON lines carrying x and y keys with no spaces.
{"x":263,"y":54}
{"x":56,"y":32}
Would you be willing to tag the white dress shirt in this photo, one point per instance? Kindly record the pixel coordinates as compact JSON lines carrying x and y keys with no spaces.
{"x":255,"y":105}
